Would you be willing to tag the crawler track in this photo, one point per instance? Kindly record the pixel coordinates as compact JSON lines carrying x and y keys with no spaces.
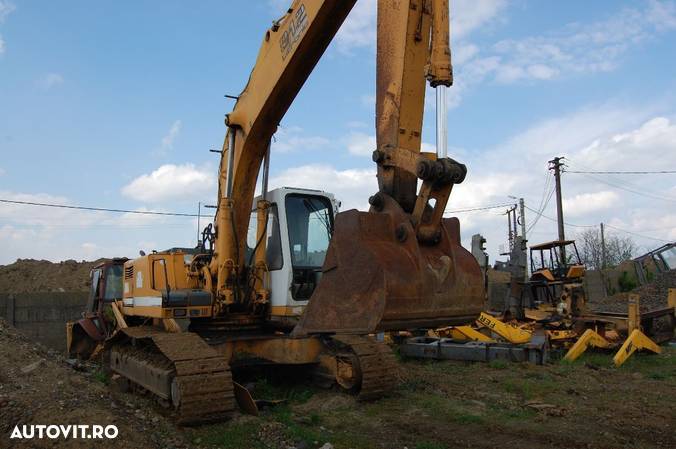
{"x":376,"y":365}
{"x":192,"y":375}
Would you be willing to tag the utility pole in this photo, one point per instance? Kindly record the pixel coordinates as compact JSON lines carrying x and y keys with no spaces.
{"x":522,"y":218}
{"x":603,"y":248}
{"x":199,"y":212}
{"x":556,"y":164}
{"x":511,"y":226}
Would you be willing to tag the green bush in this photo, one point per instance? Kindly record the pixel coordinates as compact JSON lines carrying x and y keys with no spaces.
{"x":626,"y":283}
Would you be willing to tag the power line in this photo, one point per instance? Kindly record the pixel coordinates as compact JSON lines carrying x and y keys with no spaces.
{"x":637,"y":234}
{"x":656,"y":172}
{"x":541,"y":210}
{"x":610,"y":226}
{"x":101,"y":209}
{"x":627,"y":189}
{"x":495,"y":206}
{"x":641,"y":191}
{"x":556,"y":221}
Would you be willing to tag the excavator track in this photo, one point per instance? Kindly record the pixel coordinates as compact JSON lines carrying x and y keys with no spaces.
{"x":375,"y":365}
{"x":179,"y":367}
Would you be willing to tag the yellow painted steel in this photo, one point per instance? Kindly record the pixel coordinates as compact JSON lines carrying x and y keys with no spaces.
{"x":507,"y":331}
{"x":469,"y":333}
{"x":575,"y":271}
{"x":119,"y":317}
{"x":637,"y":340}
{"x":634,"y":313}
{"x":561,"y":335}
{"x":546,"y":273}
{"x":589,"y":338}
{"x":283,"y":351}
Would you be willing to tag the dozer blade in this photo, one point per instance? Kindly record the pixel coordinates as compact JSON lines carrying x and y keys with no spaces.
{"x":377,"y":277}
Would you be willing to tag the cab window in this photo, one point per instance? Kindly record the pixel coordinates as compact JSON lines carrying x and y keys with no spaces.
{"x":113,"y":288}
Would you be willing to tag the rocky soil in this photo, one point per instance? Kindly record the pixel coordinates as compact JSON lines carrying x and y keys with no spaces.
{"x":39,"y":386}
{"x":652,"y":296}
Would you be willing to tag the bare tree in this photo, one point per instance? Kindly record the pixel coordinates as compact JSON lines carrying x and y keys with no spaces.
{"x":618,"y":249}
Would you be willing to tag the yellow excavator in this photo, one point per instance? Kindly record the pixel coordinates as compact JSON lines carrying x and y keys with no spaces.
{"x":285,"y":278}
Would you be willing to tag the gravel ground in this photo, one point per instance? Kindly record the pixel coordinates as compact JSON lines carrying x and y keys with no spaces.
{"x":653,"y":296}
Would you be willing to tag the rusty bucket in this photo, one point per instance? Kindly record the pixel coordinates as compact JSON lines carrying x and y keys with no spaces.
{"x":377,"y":277}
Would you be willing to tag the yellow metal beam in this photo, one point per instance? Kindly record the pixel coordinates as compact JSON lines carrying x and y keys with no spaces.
{"x":508,"y":332}
{"x":589,"y":338}
{"x":469,"y":333}
{"x":637,"y":340}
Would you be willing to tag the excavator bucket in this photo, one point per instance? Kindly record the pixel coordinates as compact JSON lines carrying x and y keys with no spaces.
{"x":377,"y":277}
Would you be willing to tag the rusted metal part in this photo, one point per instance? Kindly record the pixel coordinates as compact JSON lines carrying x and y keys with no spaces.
{"x":403,"y":47}
{"x":373,"y":366}
{"x":439,"y":70}
{"x":378,"y":277}
{"x":177,"y":366}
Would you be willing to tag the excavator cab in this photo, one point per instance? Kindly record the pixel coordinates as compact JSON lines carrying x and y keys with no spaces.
{"x":298,"y":232}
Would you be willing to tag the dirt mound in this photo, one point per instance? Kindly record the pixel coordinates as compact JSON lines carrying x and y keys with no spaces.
{"x":29,"y":275}
{"x":653,"y":296}
{"x":39,"y":387}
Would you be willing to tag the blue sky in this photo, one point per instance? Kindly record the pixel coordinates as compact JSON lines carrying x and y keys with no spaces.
{"x":116,"y":104}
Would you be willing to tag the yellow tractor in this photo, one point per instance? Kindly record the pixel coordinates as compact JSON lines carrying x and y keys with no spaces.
{"x":556,"y":281}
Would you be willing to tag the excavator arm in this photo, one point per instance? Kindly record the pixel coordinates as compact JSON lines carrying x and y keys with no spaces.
{"x":289,"y":52}
{"x":401,"y":264}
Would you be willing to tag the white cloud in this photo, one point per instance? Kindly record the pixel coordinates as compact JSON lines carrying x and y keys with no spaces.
{"x":172,"y":183}
{"x":585,"y":203}
{"x":470,"y":15}
{"x":359,"y":29}
{"x":352,"y":187}
{"x":287,"y":140}
{"x":168,"y":140}
{"x":59,"y":234}
{"x":51,"y":80}
{"x":361,"y":144}
{"x":6,"y":8}
{"x":582,"y":48}
{"x":574,"y":50}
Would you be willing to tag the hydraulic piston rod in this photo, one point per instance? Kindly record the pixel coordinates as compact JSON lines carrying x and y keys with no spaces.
{"x":442,"y":122}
